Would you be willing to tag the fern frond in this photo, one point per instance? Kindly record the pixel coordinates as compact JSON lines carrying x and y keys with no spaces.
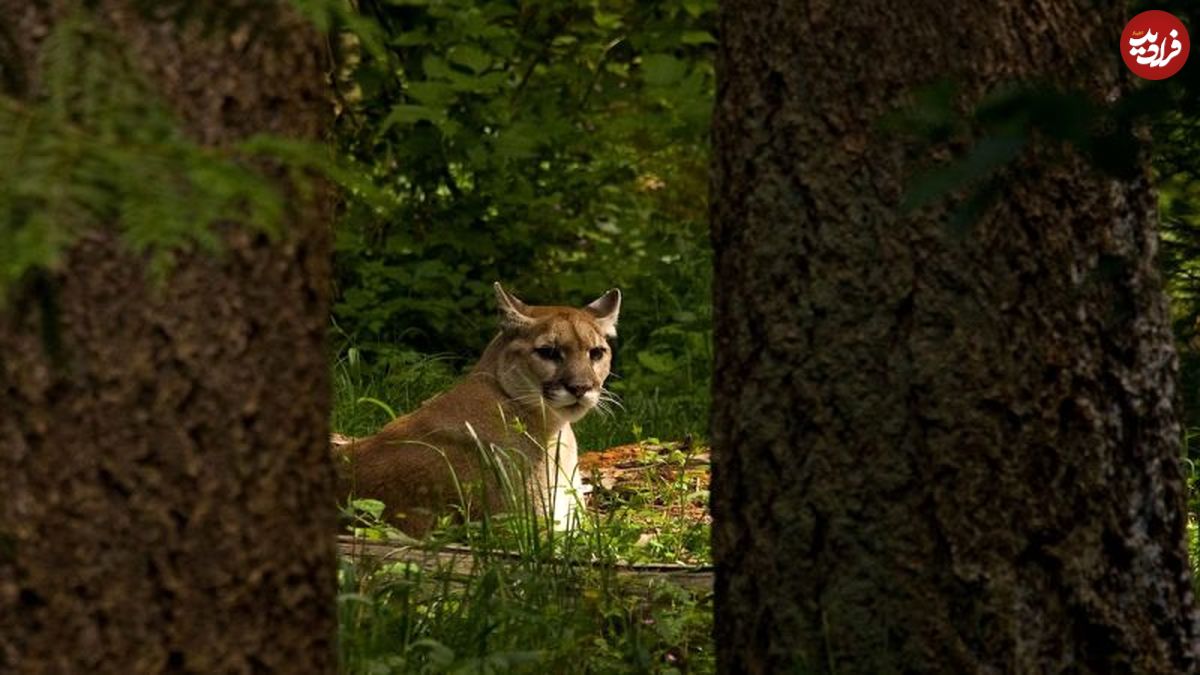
{"x":99,"y":149}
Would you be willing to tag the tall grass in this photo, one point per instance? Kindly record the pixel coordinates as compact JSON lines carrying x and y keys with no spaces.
{"x":368,"y":394}
{"x":529,"y":615}
{"x":525,"y":604}
{"x":533,"y":609}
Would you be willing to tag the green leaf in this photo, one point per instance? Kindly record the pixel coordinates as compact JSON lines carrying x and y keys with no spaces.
{"x":98,"y":147}
{"x":607,"y":20}
{"x":412,"y":38}
{"x":698,"y":37}
{"x":470,"y":57}
{"x":371,"y":507}
{"x":657,"y":362}
{"x":436,"y":68}
{"x":404,"y":114}
{"x":433,"y":94}
{"x":662,"y":69}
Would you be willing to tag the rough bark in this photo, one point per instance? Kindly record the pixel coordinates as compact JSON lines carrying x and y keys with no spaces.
{"x":167,"y":495}
{"x":935,"y":453}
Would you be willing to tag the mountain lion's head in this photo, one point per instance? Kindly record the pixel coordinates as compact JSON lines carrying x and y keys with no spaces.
{"x":556,"y":357}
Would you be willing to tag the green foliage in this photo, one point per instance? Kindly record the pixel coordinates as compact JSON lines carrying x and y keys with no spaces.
{"x":95,"y":147}
{"x":533,"y":608}
{"x":368,"y":393}
{"x":399,"y":380}
{"x":649,"y":518}
{"x":528,"y":617}
{"x":1176,"y":134}
{"x":528,"y":599}
{"x":995,"y":132}
{"x":560,"y":147}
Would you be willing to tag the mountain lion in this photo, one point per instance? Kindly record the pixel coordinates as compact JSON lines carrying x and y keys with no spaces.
{"x":544,"y":370}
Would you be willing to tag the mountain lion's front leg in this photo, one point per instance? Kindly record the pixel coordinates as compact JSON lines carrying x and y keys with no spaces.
{"x":566,"y":485}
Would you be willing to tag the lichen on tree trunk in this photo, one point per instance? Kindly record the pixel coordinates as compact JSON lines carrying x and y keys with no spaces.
{"x":935,"y":453}
{"x":167,"y":495}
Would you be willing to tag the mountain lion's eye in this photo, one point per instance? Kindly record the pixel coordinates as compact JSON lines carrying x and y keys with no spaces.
{"x":548,"y":353}
{"x":596,"y":353}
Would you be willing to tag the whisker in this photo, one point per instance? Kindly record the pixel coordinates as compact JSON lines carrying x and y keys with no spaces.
{"x":613,"y":401}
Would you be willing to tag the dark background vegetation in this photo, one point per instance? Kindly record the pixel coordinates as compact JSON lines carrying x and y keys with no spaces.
{"x":562,"y":148}
{"x":559,"y":147}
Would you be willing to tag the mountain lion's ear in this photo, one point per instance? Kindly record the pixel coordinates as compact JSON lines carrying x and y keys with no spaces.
{"x":605,"y":309}
{"x":513,"y":312}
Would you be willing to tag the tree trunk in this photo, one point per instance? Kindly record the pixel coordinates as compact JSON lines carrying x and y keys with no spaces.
{"x":935,"y":453}
{"x":167,"y":494}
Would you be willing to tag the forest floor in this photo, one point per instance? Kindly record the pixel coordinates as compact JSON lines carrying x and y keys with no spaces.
{"x":658,"y":490}
{"x":650,"y":495}
{"x":585,"y":607}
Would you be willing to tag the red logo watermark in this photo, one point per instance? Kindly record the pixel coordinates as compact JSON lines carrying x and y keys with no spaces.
{"x":1155,"y":45}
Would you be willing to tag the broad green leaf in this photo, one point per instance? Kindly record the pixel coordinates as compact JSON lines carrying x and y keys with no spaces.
{"x":699,"y":7}
{"x":698,"y":37}
{"x":470,"y":57}
{"x":662,"y":69}
{"x":607,"y":20}
{"x":371,"y":507}
{"x":432,"y":94}
{"x":409,"y":114}
{"x":412,"y":38}
{"x":436,"y":68}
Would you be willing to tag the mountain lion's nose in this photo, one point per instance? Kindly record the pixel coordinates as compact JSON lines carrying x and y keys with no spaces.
{"x":578,"y":390}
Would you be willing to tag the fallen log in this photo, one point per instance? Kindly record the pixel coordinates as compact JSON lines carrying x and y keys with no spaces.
{"x":460,"y":561}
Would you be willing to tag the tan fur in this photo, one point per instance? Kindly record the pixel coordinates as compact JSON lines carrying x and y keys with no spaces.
{"x":515,"y":399}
